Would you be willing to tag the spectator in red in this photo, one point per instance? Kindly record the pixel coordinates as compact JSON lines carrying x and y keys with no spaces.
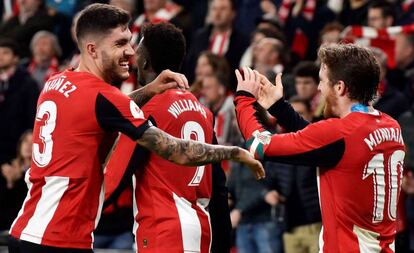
{"x":46,"y":51}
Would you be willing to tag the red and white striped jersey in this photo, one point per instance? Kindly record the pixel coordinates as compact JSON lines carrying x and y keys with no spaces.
{"x":361,"y":158}
{"x":75,"y":112}
{"x":170,"y":200}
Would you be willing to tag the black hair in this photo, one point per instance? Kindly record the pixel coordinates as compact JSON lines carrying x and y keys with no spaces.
{"x":307,"y":69}
{"x":100,"y":19}
{"x":386,"y":7}
{"x":11,"y":44}
{"x":165,"y":46}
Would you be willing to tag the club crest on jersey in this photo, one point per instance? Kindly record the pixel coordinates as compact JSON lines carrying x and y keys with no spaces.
{"x":135,"y":111}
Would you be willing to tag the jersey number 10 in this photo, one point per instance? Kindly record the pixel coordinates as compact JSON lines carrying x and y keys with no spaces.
{"x":376,"y":167}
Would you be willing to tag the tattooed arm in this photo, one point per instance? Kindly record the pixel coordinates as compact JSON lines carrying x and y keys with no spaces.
{"x":193,"y":153}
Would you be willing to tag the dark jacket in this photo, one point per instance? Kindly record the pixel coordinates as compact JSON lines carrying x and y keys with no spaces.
{"x":392,"y":102}
{"x":17,"y":111}
{"x":247,"y":194}
{"x":238,"y":44}
{"x":298,"y":185}
{"x":23,"y":33}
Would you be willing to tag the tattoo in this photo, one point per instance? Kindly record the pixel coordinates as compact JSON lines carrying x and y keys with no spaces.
{"x":184,"y":152}
{"x":140,"y":96}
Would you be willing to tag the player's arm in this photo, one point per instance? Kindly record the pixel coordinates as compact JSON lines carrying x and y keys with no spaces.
{"x":319,"y":144}
{"x":116,"y":113}
{"x":165,"y":81}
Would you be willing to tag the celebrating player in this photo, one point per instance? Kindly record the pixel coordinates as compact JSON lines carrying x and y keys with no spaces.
{"x":360,"y":150}
{"x":77,"y":111}
{"x":170,"y":201}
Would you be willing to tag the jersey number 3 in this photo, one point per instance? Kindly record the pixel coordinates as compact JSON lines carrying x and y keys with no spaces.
{"x":193,"y":131}
{"x":48,"y":109}
{"x":376,"y":167}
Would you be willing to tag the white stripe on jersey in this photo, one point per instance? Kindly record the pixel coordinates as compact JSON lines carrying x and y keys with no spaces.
{"x":135,"y":209}
{"x":99,"y":212}
{"x":52,"y":192}
{"x":203,"y":203}
{"x":29,"y":188}
{"x":318,"y":182}
{"x":367,"y":240}
{"x":190,"y":225}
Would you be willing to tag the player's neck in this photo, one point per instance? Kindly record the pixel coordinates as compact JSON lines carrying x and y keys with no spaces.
{"x":355,"y":106}
{"x":89,"y":68}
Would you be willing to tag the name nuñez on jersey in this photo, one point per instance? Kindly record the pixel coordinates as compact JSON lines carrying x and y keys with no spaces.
{"x":59,"y":85}
{"x":185,"y":105}
{"x":381,"y":135}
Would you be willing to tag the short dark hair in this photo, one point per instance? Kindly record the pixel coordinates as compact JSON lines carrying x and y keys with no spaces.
{"x":305,"y":102}
{"x":387,"y":8}
{"x":307,"y":69}
{"x":356,"y":66}
{"x":165,"y":45}
{"x":100,"y":19}
{"x":11,"y":44}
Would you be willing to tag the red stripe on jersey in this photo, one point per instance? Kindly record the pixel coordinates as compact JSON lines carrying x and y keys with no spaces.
{"x":29,"y":206}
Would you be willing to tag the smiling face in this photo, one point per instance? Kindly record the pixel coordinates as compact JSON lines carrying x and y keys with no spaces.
{"x":113,"y":54}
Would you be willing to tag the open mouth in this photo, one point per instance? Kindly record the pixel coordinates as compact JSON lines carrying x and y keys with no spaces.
{"x":124,"y":65}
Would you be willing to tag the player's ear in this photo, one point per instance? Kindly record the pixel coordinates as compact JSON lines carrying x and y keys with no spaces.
{"x":91,"y":49}
{"x":340,"y":88}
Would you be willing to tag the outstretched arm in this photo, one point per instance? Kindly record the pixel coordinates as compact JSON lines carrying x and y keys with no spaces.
{"x":193,"y":153}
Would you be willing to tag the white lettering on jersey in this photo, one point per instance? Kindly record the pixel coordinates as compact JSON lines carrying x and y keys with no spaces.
{"x":59,"y":85}
{"x":185,"y":105}
{"x":135,"y":111}
{"x":381,"y":135}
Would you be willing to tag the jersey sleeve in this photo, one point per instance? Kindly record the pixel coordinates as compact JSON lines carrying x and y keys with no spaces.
{"x":318,"y":144}
{"x":115,"y":112}
{"x":287,"y":117}
{"x":126,"y":158}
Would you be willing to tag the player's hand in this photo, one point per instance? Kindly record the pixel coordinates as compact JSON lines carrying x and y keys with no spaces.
{"x":273,"y":198}
{"x":254,"y":165}
{"x":167,"y":80}
{"x":269,"y":93}
{"x":235,"y":217}
{"x":248,"y":81}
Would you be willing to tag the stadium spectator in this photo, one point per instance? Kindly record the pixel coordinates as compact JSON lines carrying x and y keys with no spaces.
{"x":306,"y":84}
{"x":357,"y":146}
{"x":259,"y":227}
{"x":156,"y":11}
{"x":331,"y":33}
{"x":173,"y":201}
{"x":45,"y":60}
{"x":83,"y":113}
{"x":13,"y":188}
{"x":32,"y":17}
{"x":354,"y":12}
{"x":404,"y":57}
{"x":216,"y":95}
{"x":18,"y":96}
{"x":298,"y":186}
{"x":220,"y":37}
{"x":208,"y":64}
{"x":389,"y":100}
{"x":381,"y":14}
{"x":269,"y":57}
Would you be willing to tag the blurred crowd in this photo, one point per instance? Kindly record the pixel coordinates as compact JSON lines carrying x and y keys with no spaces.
{"x":278,"y":214}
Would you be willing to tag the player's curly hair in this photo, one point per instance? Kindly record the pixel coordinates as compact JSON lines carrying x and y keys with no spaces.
{"x":165,"y":46}
{"x":356,"y":66}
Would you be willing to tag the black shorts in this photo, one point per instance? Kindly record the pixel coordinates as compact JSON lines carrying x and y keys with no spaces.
{"x":18,"y":246}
